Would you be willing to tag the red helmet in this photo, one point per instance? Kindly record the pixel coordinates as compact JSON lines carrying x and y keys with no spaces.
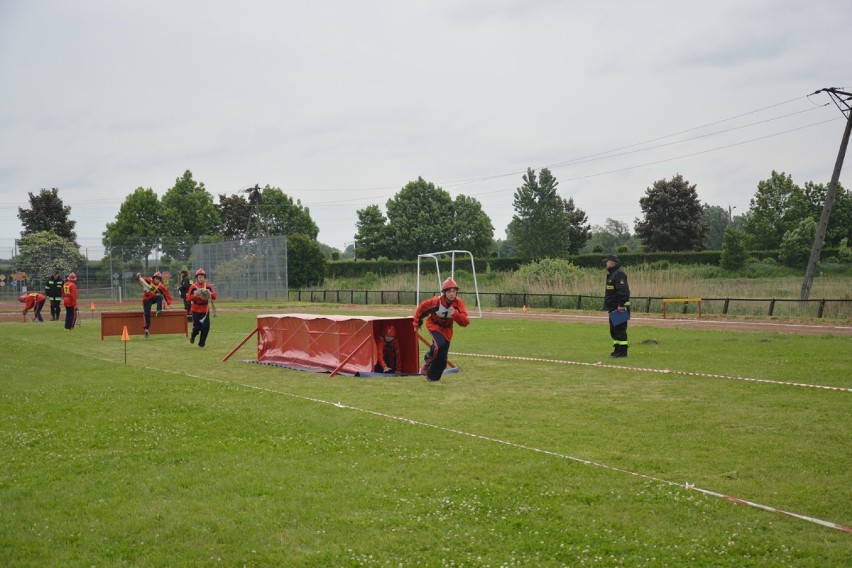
{"x":22,"y":298}
{"x":158,"y":275}
{"x":200,"y":272}
{"x":449,"y":283}
{"x":390,"y":331}
{"x":72,"y":277}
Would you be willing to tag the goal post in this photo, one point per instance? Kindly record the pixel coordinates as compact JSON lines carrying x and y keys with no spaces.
{"x":452,"y":254}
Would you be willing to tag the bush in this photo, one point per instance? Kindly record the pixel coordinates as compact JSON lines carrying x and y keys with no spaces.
{"x":552,"y":271}
{"x":797,"y":243}
{"x":734,"y":254}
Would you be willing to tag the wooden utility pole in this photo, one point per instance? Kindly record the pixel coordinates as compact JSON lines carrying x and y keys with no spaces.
{"x":842,"y":100}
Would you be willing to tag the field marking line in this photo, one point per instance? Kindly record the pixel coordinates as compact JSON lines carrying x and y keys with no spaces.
{"x":652,"y":370}
{"x":688,"y":486}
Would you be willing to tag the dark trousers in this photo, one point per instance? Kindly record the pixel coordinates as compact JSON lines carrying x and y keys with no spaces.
{"x":146,"y":308}
{"x":37,"y":310}
{"x":618,"y":333}
{"x":55,"y":309}
{"x":70,"y":317}
{"x":436,"y":356}
{"x":200,"y":326}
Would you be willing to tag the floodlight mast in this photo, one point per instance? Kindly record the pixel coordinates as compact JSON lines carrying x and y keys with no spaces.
{"x":452,"y":253}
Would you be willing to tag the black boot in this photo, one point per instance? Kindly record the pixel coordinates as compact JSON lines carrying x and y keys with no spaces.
{"x":624,"y":351}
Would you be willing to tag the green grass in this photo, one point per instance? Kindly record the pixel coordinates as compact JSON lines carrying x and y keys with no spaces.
{"x":177,"y":459}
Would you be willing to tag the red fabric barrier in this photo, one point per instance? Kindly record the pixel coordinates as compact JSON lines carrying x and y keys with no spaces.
{"x":345,"y":344}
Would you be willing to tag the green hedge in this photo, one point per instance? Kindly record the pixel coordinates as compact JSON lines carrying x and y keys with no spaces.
{"x":359,"y":268}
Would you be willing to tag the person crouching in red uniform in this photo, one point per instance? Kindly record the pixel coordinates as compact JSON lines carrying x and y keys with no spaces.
{"x":200,"y":295}
{"x":69,"y":300}
{"x":153,"y":292}
{"x":440,"y":312}
{"x":34,"y":301}
{"x":387,"y":348}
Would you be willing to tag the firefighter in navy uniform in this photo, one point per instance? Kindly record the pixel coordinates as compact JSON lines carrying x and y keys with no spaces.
{"x":183,"y":290}
{"x":617,"y":298}
{"x":53,"y":293}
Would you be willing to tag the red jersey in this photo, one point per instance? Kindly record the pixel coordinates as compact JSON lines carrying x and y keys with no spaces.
{"x":200,"y":305}
{"x":69,"y":294}
{"x":388,"y":352}
{"x":155,"y":288}
{"x":32,"y":300}
{"x":435,"y":312}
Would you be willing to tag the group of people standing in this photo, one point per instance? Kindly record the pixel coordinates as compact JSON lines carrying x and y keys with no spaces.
{"x":58,"y":292}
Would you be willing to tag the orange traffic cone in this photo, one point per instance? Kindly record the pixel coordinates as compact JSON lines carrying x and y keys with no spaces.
{"x":525,"y":307}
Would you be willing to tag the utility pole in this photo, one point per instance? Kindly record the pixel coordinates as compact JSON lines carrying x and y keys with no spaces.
{"x":842,"y":100}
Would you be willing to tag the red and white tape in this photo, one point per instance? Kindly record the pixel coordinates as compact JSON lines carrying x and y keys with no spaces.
{"x":688,"y":486}
{"x":652,"y":370}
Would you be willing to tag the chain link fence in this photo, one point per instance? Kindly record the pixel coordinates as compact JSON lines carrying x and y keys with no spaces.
{"x":250,"y":269}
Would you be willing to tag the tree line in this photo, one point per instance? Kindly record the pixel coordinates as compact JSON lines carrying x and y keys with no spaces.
{"x":423,"y":217}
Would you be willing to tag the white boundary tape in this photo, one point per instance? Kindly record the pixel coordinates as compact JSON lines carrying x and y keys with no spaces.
{"x":650,"y":370}
{"x":687,"y":486}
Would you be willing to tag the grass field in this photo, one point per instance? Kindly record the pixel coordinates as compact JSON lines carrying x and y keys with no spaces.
{"x":177,"y":459}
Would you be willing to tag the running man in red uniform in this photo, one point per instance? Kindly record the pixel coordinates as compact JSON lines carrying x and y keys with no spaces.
{"x":440,"y":312}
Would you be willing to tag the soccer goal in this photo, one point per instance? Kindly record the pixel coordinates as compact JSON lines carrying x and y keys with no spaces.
{"x":452,"y":255}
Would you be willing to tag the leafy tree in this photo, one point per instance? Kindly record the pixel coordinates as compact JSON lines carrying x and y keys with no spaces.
{"x":716,"y":219}
{"x":306,"y":264}
{"x":844,"y":253}
{"x":137,"y":229}
{"x":840,"y":222}
{"x":40,"y":253}
{"x":797,"y":243}
{"x":769,"y":215}
{"x":269,"y":211}
{"x":420,"y":220}
{"x":423,"y":218}
{"x":544,"y":224}
{"x":672,"y":217}
{"x":47,"y":213}
{"x":505,"y":248}
{"x":371,"y":239}
{"x":472,"y":228}
{"x":234,"y":214}
{"x":283,"y":216}
{"x":189,"y":213}
{"x":610,"y":237}
{"x":579,"y":229}
{"x":734,"y":254}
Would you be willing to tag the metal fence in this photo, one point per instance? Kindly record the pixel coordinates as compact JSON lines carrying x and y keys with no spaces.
{"x":249,"y":269}
{"x":839,"y":309}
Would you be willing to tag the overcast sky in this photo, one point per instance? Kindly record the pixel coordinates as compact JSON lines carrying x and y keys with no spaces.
{"x":341,"y":103}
